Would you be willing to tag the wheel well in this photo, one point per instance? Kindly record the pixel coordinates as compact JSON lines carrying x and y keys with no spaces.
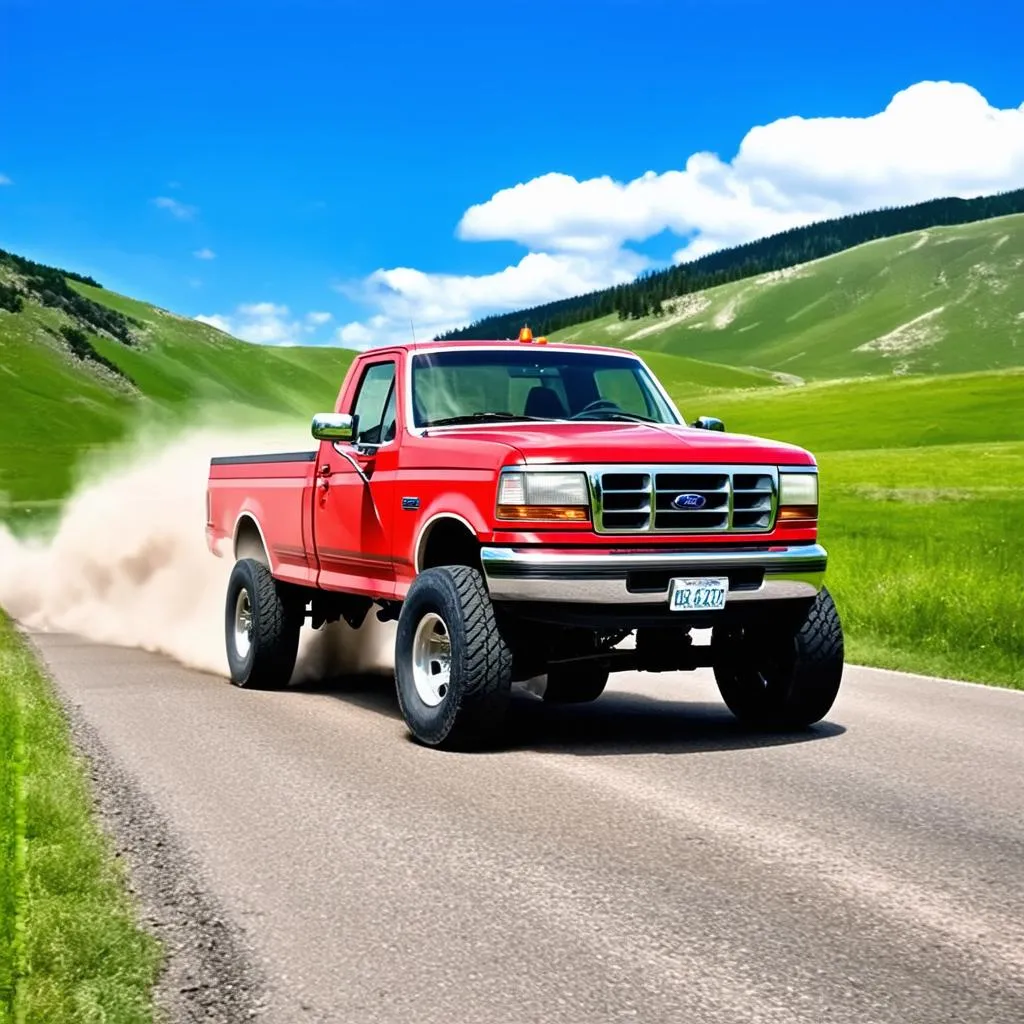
{"x":249,"y":541}
{"x":449,"y":542}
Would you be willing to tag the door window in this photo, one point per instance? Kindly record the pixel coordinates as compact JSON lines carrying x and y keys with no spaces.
{"x":375,"y":404}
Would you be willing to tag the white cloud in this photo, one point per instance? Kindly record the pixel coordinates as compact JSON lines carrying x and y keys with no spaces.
{"x":204,"y":254}
{"x":222,"y":323}
{"x":267,"y":323}
{"x":933,"y":139}
{"x":4,"y":180}
{"x":180,"y":211}
{"x":411,"y":300}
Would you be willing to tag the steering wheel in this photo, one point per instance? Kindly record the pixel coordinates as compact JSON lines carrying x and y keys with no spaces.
{"x":600,"y":403}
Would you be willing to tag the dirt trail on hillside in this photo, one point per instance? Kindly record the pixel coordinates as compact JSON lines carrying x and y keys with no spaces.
{"x":128,"y":562}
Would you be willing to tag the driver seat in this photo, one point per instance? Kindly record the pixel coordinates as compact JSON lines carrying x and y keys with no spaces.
{"x":545,"y":403}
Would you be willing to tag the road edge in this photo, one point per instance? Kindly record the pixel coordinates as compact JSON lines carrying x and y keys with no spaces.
{"x":209,"y":970}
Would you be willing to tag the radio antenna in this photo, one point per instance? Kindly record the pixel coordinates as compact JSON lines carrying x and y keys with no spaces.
{"x":413,"y":326}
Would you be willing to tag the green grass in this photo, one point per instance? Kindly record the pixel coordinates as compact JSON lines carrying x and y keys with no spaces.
{"x":70,"y":946}
{"x":879,"y":412}
{"x":824,"y":319}
{"x":924,"y":558}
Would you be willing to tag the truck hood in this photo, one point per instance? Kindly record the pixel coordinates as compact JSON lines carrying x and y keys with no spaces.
{"x":547,"y":443}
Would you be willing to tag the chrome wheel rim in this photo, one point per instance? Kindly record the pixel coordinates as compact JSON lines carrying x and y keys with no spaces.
{"x":243,"y":624}
{"x":432,"y":660}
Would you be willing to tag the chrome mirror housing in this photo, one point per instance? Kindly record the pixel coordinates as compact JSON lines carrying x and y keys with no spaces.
{"x":334,"y":426}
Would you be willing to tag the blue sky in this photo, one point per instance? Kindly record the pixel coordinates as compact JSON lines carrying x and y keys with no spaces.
{"x":325,"y":154}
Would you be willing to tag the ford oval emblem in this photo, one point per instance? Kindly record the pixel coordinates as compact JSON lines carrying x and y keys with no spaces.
{"x":682,"y":501}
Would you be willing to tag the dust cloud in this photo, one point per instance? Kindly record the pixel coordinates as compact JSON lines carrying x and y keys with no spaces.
{"x":128,"y":564}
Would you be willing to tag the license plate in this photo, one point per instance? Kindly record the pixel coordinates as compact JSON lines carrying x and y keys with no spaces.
{"x":706,"y":594}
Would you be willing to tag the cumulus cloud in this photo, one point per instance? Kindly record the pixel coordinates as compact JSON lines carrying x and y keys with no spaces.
{"x":222,"y":323}
{"x":932,"y":139}
{"x":4,"y":180}
{"x":267,"y":323}
{"x":179,"y":211}
{"x":204,"y":254}
{"x":411,"y":300}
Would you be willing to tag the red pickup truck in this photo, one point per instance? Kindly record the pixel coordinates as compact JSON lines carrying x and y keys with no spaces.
{"x":521,"y":509}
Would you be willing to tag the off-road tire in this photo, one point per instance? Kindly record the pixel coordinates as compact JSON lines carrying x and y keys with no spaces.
{"x":472,"y":712}
{"x":274,"y":633}
{"x":781,"y":674}
{"x":575,"y":684}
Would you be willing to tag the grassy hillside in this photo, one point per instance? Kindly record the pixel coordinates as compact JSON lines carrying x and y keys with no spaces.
{"x":879,"y":412}
{"x":946,"y":300}
{"x":685,"y":378}
{"x":56,"y":406}
{"x":782,"y":251}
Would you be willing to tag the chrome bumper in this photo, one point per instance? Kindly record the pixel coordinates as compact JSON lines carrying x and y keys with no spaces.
{"x":512,"y":574}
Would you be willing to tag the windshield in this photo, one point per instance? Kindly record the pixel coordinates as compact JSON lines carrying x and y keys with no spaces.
{"x":532,"y":383}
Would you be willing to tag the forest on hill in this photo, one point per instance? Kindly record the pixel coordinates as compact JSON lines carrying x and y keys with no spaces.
{"x":645,"y":295}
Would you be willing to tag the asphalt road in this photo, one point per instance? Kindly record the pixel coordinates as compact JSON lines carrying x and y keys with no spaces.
{"x":639,"y":859}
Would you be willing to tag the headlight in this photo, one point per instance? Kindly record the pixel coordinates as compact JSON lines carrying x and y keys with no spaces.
{"x":798,"y":488}
{"x":549,"y":496}
{"x":798,"y":498}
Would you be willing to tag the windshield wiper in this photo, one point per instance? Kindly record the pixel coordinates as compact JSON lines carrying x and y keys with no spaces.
{"x":604,"y":414}
{"x":484,"y":417}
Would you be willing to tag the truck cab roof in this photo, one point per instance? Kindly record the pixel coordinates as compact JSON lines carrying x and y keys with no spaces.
{"x":434,"y":346}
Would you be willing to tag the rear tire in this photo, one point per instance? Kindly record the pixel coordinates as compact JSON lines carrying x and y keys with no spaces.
{"x":781,"y":675}
{"x":261,"y":628}
{"x":579,"y":685}
{"x":453,"y":669}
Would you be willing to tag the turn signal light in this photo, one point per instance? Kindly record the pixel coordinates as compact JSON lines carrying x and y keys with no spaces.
{"x":798,"y":515}
{"x":549,"y":513}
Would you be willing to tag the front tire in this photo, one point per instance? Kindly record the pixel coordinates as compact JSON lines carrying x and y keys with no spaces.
{"x":453,"y":669}
{"x":261,"y":628}
{"x":781,"y":675}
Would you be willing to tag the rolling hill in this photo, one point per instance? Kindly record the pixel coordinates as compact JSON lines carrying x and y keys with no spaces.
{"x":945,"y":300}
{"x":56,"y":406}
{"x":646,"y":294}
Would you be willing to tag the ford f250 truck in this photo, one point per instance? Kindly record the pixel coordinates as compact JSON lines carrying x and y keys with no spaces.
{"x":522,"y":508}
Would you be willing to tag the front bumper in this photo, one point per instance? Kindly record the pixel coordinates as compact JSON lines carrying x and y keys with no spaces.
{"x":779,"y":572}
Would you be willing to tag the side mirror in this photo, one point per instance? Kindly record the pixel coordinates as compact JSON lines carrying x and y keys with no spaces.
{"x":708,"y":423}
{"x":334,"y":426}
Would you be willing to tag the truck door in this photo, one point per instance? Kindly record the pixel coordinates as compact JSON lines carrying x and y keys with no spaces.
{"x":353,"y":504}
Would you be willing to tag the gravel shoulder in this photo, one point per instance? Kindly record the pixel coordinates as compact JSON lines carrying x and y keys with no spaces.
{"x":209,"y":973}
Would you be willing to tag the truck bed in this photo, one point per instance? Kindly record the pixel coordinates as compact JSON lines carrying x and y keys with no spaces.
{"x":270,"y":496}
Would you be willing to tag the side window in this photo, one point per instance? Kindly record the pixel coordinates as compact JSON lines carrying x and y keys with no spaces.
{"x":373,"y":400}
{"x":388,"y":424}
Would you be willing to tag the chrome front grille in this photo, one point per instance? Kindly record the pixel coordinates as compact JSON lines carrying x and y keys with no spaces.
{"x":684,"y":499}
